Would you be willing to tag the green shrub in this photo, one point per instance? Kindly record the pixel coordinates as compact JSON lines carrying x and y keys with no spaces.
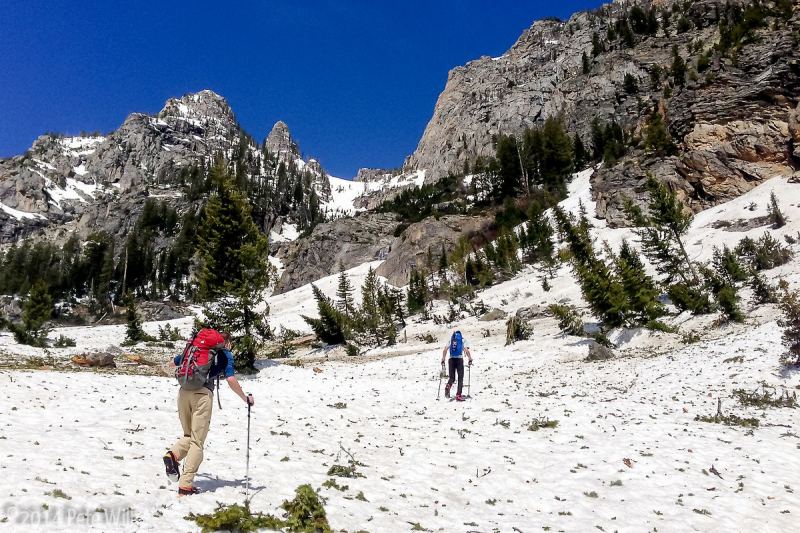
{"x":569,"y":319}
{"x":518,"y":329}
{"x":542,"y":423}
{"x":304,"y":514}
{"x":64,"y":342}
{"x":763,"y":254}
{"x":692,"y":299}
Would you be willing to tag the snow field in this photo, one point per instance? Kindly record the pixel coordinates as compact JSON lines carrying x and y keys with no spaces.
{"x":626,"y":455}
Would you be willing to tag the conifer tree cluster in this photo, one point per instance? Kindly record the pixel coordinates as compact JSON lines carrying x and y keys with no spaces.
{"x":608,"y":141}
{"x":691,"y":287}
{"x":616,"y":287}
{"x":541,"y":159}
{"x":376,"y":322}
{"x":418,"y":294}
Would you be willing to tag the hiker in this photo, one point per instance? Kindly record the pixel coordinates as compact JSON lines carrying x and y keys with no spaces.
{"x":207,"y":356}
{"x":458,"y":345}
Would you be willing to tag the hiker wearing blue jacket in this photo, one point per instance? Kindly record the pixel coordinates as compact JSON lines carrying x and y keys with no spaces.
{"x":456,"y":348}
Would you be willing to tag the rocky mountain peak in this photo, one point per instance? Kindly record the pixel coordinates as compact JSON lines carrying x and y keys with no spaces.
{"x":203,"y":105}
{"x":279,"y":141}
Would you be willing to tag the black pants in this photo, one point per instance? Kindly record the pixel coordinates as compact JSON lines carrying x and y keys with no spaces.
{"x":456,"y":364}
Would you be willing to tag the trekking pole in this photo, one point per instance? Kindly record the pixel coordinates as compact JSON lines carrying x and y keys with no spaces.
{"x":439,"y":392}
{"x":469,"y":380}
{"x":247,"y":468}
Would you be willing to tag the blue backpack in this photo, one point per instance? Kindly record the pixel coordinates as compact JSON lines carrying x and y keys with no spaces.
{"x":456,"y":344}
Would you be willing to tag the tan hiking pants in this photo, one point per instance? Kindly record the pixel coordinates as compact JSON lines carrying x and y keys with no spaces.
{"x":194,"y":411}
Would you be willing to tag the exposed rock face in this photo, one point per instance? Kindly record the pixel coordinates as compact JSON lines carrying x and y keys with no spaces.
{"x":735,"y":124}
{"x":280,"y":142}
{"x":430,"y":234}
{"x":349,"y":241}
{"x":735,"y":131}
{"x":540,"y":76}
{"x":384,"y":185}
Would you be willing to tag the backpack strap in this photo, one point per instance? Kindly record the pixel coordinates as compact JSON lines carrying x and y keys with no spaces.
{"x":219,"y":402}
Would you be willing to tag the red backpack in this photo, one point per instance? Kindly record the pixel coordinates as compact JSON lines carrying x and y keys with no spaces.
{"x":197,"y":359}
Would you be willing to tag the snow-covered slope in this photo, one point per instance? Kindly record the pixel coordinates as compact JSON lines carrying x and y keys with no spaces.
{"x":627,"y":453}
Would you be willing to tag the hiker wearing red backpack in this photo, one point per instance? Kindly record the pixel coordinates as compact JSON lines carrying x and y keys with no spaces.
{"x":457,"y":347}
{"x":206,"y":357}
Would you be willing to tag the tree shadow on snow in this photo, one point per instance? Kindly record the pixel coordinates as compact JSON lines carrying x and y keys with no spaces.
{"x":207,"y":483}
{"x":788,"y":371}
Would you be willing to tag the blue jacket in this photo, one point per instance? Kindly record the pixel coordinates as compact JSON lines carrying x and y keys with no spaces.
{"x":222,"y":365}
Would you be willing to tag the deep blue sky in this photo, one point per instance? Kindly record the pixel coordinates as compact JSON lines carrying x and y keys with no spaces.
{"x":355,"y":80}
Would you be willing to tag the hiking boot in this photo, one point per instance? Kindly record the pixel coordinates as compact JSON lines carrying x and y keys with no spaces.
{"x":447,"y":390}
{"x":172,"y":466}
{"x":459,"y":398}
{"x":187,"y":491}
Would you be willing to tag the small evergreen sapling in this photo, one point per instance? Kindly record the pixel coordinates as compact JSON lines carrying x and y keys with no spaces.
{"x":344,"y":293}
{"x":725,"y":293}
{"x":775,"y":214}
{"x":763,"y":292}
{"x":36,"y":311}
{"x":790,"y":306}
{"x":569,"y":319}
{"x":134,"y":332}
{"x":727,"y":264}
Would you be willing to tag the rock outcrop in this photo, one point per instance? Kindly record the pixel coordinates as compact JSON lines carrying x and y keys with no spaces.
{"x":431,"y":234}
{"x":348,"y":241}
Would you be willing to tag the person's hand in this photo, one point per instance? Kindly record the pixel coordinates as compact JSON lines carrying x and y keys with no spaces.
{"x":250,"y":400}
{"x":470,"y":362}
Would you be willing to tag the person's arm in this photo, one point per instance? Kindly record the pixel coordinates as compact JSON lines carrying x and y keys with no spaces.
{"x":444,"y":354}
{"x":233,"y":383}
{"x":469,"y":354}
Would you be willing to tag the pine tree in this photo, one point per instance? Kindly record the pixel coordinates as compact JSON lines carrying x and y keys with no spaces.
{"x":597,"y":45}
{"x":630,"y":84}
{"x":134,"y":332}
{"x":36,"y":311}
{"x":581,"y":156}
{"x":775,"y":214}
{"x":443,"y":264}
{"x":417,"y":295}
{"x":600,"y":286}
{"x":763,"y":292}
{"x":657,"y":137}
{"x":727,"y":264}
{"x":370,"y":309}
{"x":638,"y":285}
{"x":790,"y":306}
{"x":344,"y":293}
{"x":539,"y":242}
{"x":678,"y":69}
{"x":557,"y":161}
{"x":661,"y":232}
{"x":331,"y":326}
{"x":724,"y":292}
{"x":233,"y":270}
{"x":509,"y":176}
